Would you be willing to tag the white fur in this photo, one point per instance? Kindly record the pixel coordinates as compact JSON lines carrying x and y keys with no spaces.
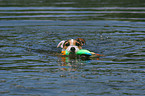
{"x":72,"y":40}
{"x":76,"y":48}
{"x":60,"y":44}
{"x":69,"y":47}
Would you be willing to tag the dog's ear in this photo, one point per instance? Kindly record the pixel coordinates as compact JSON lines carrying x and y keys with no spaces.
{"x":81,"y":40}
{"x":60,"y":44}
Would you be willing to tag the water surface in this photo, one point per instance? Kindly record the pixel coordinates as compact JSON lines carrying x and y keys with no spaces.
{"x":30,"y":31}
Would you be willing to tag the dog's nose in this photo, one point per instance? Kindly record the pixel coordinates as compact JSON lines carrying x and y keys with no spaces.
{"x":72,"y":49}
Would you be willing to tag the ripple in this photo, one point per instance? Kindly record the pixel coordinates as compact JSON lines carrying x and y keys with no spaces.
{"x":29,"y":64}
{"x":61,"y":13}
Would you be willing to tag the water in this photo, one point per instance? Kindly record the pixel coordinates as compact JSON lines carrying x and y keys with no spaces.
{"x":30,"y":31}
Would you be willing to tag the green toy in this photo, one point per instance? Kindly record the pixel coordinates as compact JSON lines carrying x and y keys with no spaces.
{"x":80,"y":52}
{"x":84,"y":52}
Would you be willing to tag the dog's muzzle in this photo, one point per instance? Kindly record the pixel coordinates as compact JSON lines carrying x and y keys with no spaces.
{"x":72,"y":49}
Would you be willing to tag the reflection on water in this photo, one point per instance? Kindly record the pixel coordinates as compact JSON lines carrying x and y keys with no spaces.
{"x":69,"y":65}
{"x":30,"y":31}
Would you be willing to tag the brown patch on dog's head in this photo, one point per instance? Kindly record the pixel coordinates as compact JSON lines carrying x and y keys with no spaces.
{"x":81,"y":40}
{"x":73,"y":43}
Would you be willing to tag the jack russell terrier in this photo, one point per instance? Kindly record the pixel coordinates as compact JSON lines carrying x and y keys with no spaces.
{"x":75,"y":45}
{"x":72,"y":45}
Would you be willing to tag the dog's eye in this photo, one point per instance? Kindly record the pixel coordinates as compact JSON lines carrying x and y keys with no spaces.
{"x":67,"y":44}
{"x":77,"y":44}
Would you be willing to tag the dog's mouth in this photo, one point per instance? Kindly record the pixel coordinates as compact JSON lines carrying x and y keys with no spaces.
{"x":72,"y":54}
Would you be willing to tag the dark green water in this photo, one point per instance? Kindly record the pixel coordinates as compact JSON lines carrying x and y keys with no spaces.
{"x":31,"y":29}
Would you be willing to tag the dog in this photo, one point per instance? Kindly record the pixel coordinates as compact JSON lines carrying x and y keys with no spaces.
{"x":72,"y":45}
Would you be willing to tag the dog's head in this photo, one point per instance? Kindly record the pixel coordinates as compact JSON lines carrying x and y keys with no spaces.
{"x":72,"y":45}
